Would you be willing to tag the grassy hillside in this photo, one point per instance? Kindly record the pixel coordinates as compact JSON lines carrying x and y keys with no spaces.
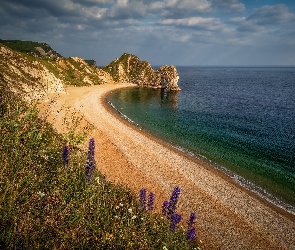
{"x":30,"y":48}
{"x":47,"y":202}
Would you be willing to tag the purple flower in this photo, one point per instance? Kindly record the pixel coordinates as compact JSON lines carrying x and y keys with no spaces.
{"x":191,"y":220}
{"x":165,"y":208}
{"x":151,"y":201}
{"x":173,"y":201}
{"x":175,"y":219}
{"x":191,"y":232}
{"x":90,"y":166}
{"x":142,"y":199}
{"x":191,"y":235}
{"x":65,"y":155}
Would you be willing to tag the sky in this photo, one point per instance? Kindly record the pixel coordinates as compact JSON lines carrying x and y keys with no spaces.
{"x":168,"y":32}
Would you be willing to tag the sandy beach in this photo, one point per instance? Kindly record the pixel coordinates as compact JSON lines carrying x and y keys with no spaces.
{"x":228,"y":216}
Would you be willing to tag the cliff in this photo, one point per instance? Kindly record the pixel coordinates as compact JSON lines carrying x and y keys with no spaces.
{"x":32,"y":72}
{"x":32,"y":77}
{"x":129,"y":68}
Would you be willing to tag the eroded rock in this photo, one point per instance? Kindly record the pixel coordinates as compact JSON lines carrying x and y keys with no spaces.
{"x":129,"y":69}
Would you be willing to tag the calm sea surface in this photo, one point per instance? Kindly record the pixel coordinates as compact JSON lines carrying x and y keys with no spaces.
{"x":241,"y":120}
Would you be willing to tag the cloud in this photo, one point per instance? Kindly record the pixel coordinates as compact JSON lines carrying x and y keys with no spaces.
{"x":195,"y":22}
{"x":272,"y":15}
{"x":266,"y":17}
{"x":160,"y":30}
{"x":228,"y":5}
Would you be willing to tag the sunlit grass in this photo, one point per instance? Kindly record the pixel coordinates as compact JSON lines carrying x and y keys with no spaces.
{"x":47,"y":204}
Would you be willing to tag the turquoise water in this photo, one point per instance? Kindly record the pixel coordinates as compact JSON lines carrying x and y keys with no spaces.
{"x":242,"y":120}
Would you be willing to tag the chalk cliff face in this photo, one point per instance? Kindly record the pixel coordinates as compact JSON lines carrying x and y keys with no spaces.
{"x":27,"y":78}
{"x":128,"y":68}
{"x":33,"y":77}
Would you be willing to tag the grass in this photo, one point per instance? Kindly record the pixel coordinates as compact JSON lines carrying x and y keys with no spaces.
{"x":46,"y":205}
{"x":27,"y":47}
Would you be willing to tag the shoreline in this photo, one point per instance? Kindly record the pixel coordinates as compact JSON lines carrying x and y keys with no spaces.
{"x":199,"y":159}
{"x":228,"y":215}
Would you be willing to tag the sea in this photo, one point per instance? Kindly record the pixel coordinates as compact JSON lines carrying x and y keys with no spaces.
{"x":240,"y":120}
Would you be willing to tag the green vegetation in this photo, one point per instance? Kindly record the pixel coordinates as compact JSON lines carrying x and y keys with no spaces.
{"x":132,"y":65}
{"x":47,"y":205}
{"x":91,"y":62}
{"x":27,"y":47}
{"x":25,"y":69}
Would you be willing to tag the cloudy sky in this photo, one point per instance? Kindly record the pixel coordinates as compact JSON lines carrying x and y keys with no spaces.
{"x":178,"y":32}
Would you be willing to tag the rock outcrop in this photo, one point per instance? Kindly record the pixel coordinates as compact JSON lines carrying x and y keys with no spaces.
{"x":128,"y":68}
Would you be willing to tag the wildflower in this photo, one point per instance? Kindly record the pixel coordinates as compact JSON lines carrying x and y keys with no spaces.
{"x":191,"y":235}
{"x":191,"y":220}
{"x":130,"y":210}
{"x":97,"y":180}
{"x":191,"y":232}
{"x":175,"y":219}
{"x":165,"y":248}
{"x":142,"y":199}
{"x":151,"y":201}
{"x":121,"y":204}
{"x":165,"y":207}
{"x":173,"y":201}
{"x":65,"y":155}
{"x":90,"y":159}
{"x":133,"y":217}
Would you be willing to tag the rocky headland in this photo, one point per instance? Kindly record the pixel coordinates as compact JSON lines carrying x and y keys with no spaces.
{"x":130,"y":69}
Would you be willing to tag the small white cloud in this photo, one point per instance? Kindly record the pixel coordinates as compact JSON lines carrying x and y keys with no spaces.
{"x":197,"y":22}
{"x":237,"y":20}
{"x":122,"y":3}
{"x":80,"y":27}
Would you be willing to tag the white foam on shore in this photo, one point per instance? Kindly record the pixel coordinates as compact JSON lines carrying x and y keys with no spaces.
{"x":124,"y":116}
{"x":236,"y":178}
{"x":242,"y":181}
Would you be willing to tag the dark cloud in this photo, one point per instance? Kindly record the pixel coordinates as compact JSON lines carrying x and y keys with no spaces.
{"x":266,"y":16}
{"x":272,"y":15}
{"x":54,"y":8}
{"x":163,"y":32}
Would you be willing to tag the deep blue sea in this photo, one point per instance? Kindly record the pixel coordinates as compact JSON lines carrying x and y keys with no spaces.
{"x":239,"y":119}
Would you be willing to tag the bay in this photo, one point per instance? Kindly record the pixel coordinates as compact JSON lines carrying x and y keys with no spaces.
{"x":239,"y":119}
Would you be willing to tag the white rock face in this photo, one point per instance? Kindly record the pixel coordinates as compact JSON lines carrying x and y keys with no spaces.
{"x":27,"y":77}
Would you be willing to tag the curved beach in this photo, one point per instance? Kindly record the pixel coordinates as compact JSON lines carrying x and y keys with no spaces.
{"x":228,"y":216}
